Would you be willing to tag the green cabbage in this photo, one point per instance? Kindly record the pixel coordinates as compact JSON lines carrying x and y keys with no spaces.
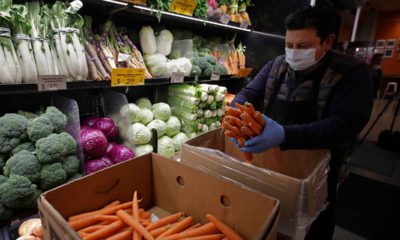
{"x":143,"y":103}
{"x":138,"y":134}
{"x":179,"y":139}
{"x":166,"y":147}
{"x":143,"y":149}
{"x":173,"y":126}
{"x":158,"y":125}
{"x":161,"y":111}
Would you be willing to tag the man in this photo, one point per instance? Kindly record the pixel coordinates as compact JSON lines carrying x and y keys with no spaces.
{"x":313,"y":98}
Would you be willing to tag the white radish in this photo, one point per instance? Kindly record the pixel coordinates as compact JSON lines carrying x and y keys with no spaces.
{"x":28,"y":65}
{"x":17,"y":65}
{"x":51,"y":65}
{"x":69,"y":55}
{"x":61,"y":57}
{"x":40,"y":57}
{"x":81,"y":55}
{"x":6,"y":77}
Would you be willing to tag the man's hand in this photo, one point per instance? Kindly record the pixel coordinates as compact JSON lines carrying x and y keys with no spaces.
{"x":272,"y":135}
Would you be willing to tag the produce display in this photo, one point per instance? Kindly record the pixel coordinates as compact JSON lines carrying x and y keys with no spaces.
{"x":98,"y":136}
{"x":200,"y":108}
{"x":143,"y":116}
{"x":127,"y":220}
{"x":243,"y":123}
{"x":35,"y":155}
{"x":31,"y":229}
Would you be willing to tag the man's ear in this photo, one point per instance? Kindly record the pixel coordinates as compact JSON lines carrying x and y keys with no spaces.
{"x":329,"y":41}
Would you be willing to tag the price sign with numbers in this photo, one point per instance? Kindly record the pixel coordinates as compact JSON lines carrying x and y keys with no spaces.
{"x":225,"y":18}
{"x":127,"y":77}
{"x":51,"y":83}
{"x":177,"y":77}
{"x":185,"y":7}
{"x":215,"y":76}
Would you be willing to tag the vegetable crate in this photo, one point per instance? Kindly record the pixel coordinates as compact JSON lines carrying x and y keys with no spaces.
{"x":297,"y":178}
{"x":165,"y":186}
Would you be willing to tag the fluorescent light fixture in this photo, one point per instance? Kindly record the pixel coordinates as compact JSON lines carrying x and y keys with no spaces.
{"x":116,"y":2}
{"x":269,"y":35}
{"x":193,"y":19}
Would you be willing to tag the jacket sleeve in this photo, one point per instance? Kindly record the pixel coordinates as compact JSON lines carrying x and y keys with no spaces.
{"x":349,"y":111}
{"x":255,"y":90}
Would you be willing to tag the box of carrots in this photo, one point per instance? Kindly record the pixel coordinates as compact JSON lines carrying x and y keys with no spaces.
{"x":297,"y":178}
{"x":151,"y":197}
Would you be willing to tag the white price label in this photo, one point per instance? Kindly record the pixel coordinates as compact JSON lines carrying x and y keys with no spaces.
{"x":225,"y":18}
{"x":245,"y":24}
{"x":122,"y":57}
{"x":177,"y":77}
{"x":215,"y":76}
{"x":51,"y":83}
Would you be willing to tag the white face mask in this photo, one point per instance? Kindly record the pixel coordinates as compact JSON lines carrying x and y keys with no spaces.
{"x":300,"y":59}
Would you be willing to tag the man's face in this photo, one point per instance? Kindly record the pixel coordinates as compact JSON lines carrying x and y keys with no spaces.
{"x":307,"y":38}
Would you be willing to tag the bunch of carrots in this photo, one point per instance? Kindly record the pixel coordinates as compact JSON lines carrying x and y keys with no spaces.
{"x":243,"y":123}
{"x":120,"y":221}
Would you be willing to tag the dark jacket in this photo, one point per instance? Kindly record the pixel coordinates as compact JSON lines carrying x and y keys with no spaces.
{"x":346,"y":110}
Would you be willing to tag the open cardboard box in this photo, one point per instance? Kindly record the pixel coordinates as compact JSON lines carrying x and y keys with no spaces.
{"x":165,"y":186}
{"x":297,"y":178}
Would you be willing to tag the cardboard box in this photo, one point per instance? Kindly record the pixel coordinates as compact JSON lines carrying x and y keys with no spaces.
{"x":165,"y":185}
{"x":297,"y":178}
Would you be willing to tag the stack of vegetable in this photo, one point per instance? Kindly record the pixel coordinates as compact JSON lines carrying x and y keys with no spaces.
{"x":127,"y":220}
{"x":98,"y":136}
{"x":35,"y":155}
{"x":156,"y":48}
{"x":243,"y":123}
{"x":143,"y":116}
{"x":200,"y":11}
{"x":200,"y":107}
{"x":110,"y":49}
{"x":236,"y":9}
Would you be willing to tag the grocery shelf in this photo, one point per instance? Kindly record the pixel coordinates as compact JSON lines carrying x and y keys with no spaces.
{"x":7,"y":89}
{"x":118,"y":6}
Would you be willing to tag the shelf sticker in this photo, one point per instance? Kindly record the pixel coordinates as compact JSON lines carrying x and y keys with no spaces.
{"x":122,"y":57}
{"x":245,"y":24}
{"x":225,"y":18}
{"x":51,"y":83}
{"x":215,"y":76}
{"x":177,"y":77}
{"x":245,"y":72}
{"x":127,"y":77}
{"x":185,"y":7}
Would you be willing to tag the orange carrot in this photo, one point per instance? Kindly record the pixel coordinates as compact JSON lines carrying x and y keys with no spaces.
{"x":259,"y":118}
{"x":206,"y":229}
{"x":248,"y":157}
{"x":158,"y":231}
{"x":75,"y":217}
{"x":228,"y":133}
{"x":165,"y":220}
{"x":241,"y":107}
{"x":124,"y":235}
{"x":135,"y":212}
{"x":255,"y":127}
{"x":234,"y":121}
{"x":250,"y":108}
{"x":247,"y":131}
{"x":106,"y":231}
{"x":179,"y":227}
{"x":92,"y":219}
{"x":144,"y":215}
{"x":231,"y":111}
{"x":91,"y":229}
{"x":241,"y":141}
{"x":129,"y":220}
{"x":82,"y":234}
{"x":106,"y":218}
{"x":193,"y":226}
{"x":232,"y":235}
{"x":231,"y":128}
{"x":207,"y":237}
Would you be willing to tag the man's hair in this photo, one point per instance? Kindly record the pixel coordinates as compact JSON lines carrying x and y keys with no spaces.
{"x":322,"y":20}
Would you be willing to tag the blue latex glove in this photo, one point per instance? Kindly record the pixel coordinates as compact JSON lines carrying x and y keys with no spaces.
{"x":272,"y":135}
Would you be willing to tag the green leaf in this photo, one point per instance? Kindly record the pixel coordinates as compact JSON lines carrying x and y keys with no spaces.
{"x":19,"y":15}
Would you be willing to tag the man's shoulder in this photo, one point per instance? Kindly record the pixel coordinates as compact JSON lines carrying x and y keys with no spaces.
{"x":343,"y":63}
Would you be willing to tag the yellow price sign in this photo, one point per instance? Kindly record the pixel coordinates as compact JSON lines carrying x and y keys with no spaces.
{"x":142,"y":2}
{"x":245,"y":72}
{"x":185,"y":7}
{"x":127,"y":77}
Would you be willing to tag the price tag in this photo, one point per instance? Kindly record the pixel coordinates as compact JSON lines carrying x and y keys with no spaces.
{"x":127,"y":77}
{"x":225,"y":18}
{"x":185,"y":7}
{"x":215,"y":76}
{"x":51,"y":83}
{"x":143,"y":2}
{"x":122,"y":57}
{"x":245,"y":24}
{"x":245,"y":72}
{"x":177,"y":77}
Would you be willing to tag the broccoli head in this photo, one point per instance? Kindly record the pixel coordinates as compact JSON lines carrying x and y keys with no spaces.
{"x":16,"y":191}
{"x":28,"y":115}
{"x":50,"y":149}
{"x":12,"y":131}
{"x":69,"y":143}
{"x":76,"y":176}
{"x":52,"y":175}
{"x":25,"y":164}
{"x":208,"y":71}
{"x":2,"y":179}
{"x":221,"y":69}
{"x":211,"y":59}
{"x":196,"y":71}
{"x":28,"y":146}
{"x":71,"y":165}
{"x":203,"y":63}
{"x":31,"y":202}
{"x":5,"y":212}
{"x":57,"y":118}
{"x":2,"y":162}
{"x":39,"y":127}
